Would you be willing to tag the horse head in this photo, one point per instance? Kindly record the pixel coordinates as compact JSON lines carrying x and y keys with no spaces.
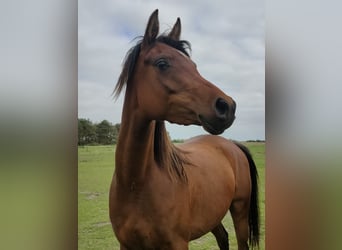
{"x":169,"y":87}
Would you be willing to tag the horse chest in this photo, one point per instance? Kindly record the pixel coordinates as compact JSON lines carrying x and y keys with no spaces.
{"x":140,"y":230}
{"x":143,"y":220}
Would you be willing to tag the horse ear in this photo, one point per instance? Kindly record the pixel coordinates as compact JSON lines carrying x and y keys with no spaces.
{"x":152,"y":29}
{"x":176,"y":30}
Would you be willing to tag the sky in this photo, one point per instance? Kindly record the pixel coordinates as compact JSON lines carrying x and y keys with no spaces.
{"x":227,"y":40}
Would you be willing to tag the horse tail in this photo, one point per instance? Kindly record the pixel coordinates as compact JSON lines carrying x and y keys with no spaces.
{"x":253,"y":221}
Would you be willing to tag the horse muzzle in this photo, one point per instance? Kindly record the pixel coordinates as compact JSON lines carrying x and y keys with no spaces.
{"x":223,"y":117}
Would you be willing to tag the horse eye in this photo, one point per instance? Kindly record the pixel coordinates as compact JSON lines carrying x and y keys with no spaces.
{"x":162,"y":64}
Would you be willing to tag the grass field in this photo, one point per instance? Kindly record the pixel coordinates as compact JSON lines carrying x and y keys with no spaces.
{"x":95,"y":170}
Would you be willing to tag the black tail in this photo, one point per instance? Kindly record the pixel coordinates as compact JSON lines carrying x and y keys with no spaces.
{"x":254,"y":225}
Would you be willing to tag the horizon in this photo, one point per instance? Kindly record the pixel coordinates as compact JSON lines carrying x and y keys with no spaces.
{"x":176,"y":138}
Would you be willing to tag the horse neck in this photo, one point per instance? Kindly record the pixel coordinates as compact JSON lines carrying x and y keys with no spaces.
{"x":136,"y":149}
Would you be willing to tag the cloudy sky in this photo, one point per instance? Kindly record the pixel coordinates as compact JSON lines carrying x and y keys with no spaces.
{"x":227,"y":39}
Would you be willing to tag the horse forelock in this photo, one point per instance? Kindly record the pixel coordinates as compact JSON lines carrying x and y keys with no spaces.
{"x":181,"y":45}
{"x":132,"y":56}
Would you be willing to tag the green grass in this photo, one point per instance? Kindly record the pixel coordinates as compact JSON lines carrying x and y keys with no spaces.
{"x":95,"y":170}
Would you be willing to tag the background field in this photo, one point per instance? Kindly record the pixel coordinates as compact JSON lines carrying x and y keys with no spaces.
{"x":95,"y":170}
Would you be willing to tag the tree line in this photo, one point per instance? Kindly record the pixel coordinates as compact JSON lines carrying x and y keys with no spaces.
{"x":103,"y":133}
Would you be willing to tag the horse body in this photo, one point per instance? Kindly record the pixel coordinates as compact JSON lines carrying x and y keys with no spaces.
{"x":189,"y":209}
{"x":162,"y":196}
{"x":214,"y":180}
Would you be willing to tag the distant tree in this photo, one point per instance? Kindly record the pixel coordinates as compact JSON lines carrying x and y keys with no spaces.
{"x":105,"y":133}
{"x":116,"y":129}
{"x":86,"y":132}
{"x":90,"y":133}
{"x":177,"y":140}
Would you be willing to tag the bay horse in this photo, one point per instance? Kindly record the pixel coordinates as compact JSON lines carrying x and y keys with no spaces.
{"x":162,"y":195}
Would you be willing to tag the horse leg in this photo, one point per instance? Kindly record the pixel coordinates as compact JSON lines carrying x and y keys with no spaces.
{"x":221,"y":236}
{"x":239,"y":211}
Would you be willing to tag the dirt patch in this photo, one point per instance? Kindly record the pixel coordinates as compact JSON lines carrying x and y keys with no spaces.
{"x":90,"y":195}
{"x":102,"y":224}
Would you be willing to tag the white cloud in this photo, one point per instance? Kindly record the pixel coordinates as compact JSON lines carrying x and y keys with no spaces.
{"x":227,"y":40}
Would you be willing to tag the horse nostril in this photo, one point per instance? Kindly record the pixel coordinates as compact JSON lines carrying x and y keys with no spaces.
{"x":221,"y":107}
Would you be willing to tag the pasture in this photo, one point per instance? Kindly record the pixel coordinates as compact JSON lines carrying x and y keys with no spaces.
{"x":95,"y":170}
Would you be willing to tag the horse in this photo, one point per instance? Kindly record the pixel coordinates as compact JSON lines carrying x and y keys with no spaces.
{"x":162,"y":195}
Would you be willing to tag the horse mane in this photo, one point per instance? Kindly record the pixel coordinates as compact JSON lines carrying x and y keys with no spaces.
{"x":132,"y":57}
{"x":167,"y":154}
